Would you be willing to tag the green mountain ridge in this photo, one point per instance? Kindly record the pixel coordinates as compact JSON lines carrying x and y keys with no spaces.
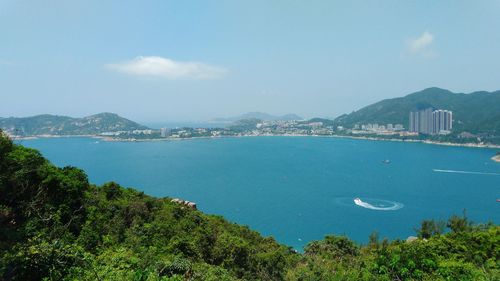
{"x":47,"y":124}
{"x":477,"y":112}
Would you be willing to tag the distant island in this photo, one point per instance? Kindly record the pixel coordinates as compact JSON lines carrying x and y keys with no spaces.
{"x":458,"y":119}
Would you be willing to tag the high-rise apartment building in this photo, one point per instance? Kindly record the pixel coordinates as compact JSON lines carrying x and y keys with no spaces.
{"x":431,"y":122}
{"x":442,"y":121}
{"x":165,"y":132}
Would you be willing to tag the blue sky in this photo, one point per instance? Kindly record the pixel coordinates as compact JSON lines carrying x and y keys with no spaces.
{"x":196,"y":60}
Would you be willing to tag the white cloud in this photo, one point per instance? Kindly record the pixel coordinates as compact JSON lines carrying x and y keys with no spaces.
{"x":168,"y":68}
{"x":421,"y":45}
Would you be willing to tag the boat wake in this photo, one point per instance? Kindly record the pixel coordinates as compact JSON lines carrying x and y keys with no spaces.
{"x":465,"y":172}
{"x":379,"y":205}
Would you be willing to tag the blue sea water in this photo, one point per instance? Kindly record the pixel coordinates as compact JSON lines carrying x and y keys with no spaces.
{"x":299,"y":189}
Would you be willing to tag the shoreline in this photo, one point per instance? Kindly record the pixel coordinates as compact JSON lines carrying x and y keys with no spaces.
{"x":111,"y":139}
{"x":473,"y":145}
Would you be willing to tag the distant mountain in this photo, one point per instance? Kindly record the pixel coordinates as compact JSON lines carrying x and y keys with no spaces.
{"x":261,"y":116}
{"x":477,"y":112}
{"x":63,"y":125}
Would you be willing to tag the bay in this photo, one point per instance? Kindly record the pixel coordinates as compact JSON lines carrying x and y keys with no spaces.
{"x":299,"y":189}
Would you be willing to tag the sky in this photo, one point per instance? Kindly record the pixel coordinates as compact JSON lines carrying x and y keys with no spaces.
{"x":158,"y":61}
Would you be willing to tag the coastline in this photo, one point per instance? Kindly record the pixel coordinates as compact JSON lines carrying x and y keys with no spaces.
{"x":15,"y":138}
{"x":475,"y":145}
{"x":111,"y":139}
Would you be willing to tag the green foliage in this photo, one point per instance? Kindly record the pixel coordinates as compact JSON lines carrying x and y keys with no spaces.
{"x":54,"y":225}
{"x":332,"y":247}
{"x":429,"y":228}
{"x":477,"y":112}
{"x":459,"y":224}
{"x":62,"y":125}
{"x":244,"y":124}
{"x":40,"y":257}
{"x":112,"y":190}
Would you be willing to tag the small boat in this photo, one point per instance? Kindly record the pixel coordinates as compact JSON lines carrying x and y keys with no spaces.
{"x":386,"y":161}
{"x":357,"y":201}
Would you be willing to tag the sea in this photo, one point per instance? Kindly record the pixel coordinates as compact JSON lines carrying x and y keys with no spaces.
{"x":299,"y":189}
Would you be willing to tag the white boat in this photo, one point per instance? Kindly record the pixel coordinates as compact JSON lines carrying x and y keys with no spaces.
{"x":357,"y":201}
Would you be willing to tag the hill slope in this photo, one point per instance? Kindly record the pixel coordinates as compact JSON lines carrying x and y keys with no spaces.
{"x":62,"y":125}
{"x":54,"y":225}
{"x":477,"y":112}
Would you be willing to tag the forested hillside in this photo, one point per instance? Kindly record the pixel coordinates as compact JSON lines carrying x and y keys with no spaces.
{"x":55,"y":225}
{"x":47,"y":124}
{"x":477,"y":112}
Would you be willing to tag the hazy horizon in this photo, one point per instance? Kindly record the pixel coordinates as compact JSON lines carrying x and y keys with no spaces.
{"x":159,"y":61}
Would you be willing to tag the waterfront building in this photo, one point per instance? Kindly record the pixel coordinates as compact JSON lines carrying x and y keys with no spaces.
{"x":442,"y":121}
{"x":165,"y":132}
{"x":431,"y":122}
{"x":421,"y":121}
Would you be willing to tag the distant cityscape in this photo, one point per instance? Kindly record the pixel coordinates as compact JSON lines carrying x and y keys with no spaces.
{"x":378,"y":129}
{"x":425,"y":122}
{"x":473,"y":121}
